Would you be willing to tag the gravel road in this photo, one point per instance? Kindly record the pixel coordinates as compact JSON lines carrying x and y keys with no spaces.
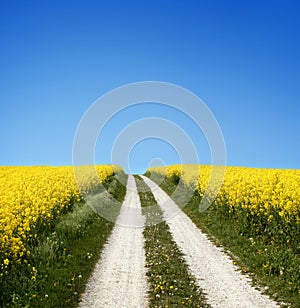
{"x":119,"y":278}
{"x":215,"y":273}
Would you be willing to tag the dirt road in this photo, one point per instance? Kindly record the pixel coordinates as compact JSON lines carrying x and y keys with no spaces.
{"x":119,"y":279}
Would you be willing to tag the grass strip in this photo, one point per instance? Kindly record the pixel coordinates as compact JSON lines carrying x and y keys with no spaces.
{"x":171,"y":284}
{"x":63,"y":258}
{"x":276,"y":269}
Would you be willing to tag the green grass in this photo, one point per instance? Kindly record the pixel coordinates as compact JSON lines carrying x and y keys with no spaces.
{"x":171,"y":285}
{"x":62,"y":258}
{"x":275,"y":268}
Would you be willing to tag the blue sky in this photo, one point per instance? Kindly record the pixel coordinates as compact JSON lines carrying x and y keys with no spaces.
{"x":240,"y":57}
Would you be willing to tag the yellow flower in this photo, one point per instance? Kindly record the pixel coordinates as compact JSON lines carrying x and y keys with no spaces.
{"x":6,"y":262}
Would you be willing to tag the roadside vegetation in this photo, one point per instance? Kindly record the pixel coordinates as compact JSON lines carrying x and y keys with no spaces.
{"x":263,"y":248}
{"x":62,"y":255}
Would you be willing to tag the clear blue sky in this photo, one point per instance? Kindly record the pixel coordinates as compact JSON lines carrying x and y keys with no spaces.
{"x":241,"y":57}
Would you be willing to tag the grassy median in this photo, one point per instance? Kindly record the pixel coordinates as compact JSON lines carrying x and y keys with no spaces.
{"x":171,"y":284}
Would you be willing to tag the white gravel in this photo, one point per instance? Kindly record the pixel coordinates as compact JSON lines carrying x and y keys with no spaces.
{"x":119,"y":278}
{"x":215,"y":273}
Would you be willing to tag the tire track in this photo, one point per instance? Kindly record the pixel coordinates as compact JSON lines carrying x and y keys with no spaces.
{"x":222,"y":282}
{"x":119,"y":278}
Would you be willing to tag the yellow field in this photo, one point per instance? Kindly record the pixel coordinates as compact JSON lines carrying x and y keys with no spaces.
{"x":256,"y":215}
{"x":31,"y":197}
{"x":260,"y":191}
